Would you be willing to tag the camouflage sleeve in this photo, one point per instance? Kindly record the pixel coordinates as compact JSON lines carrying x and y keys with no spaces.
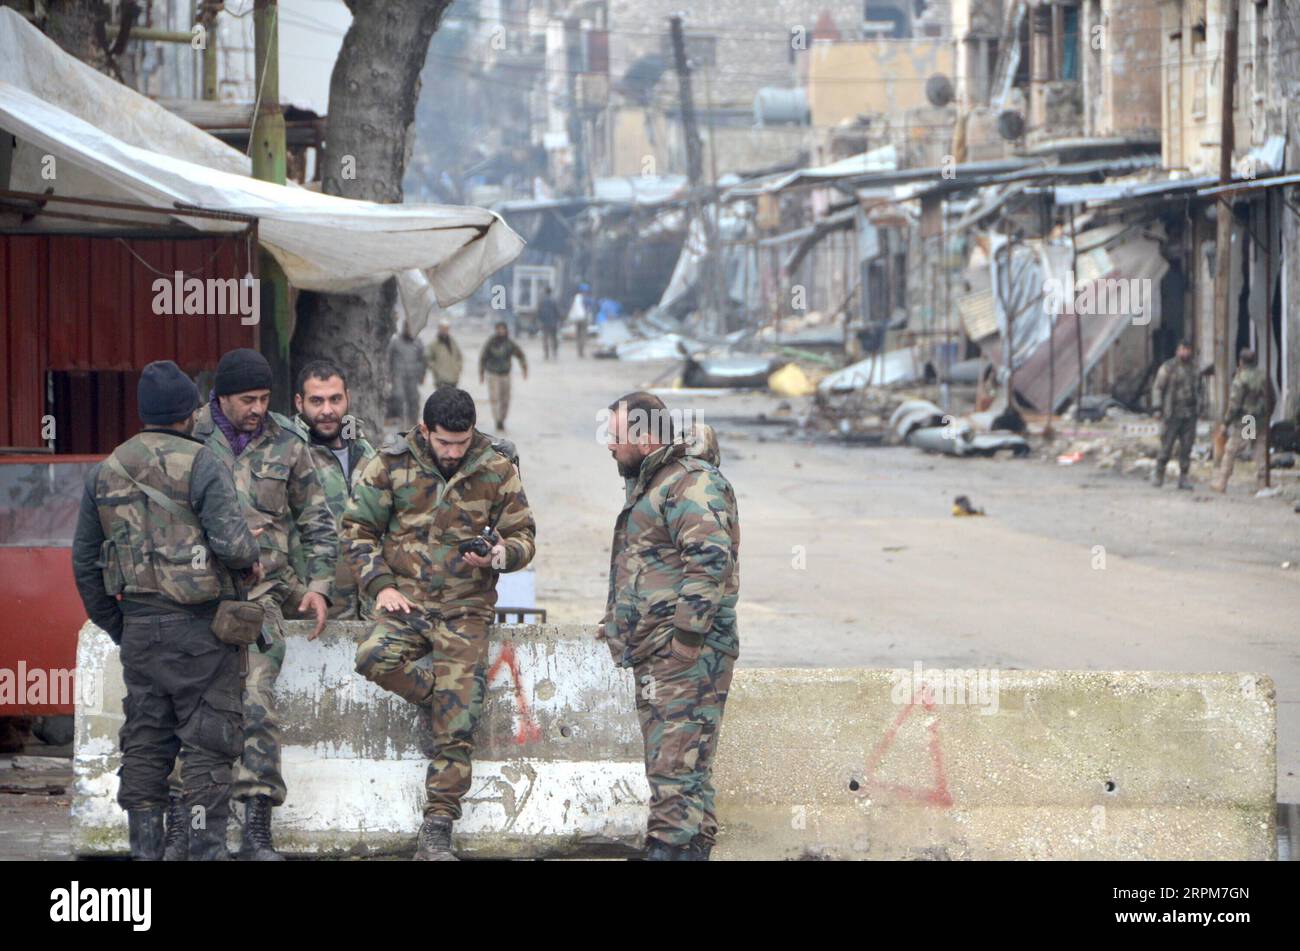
{"x":523,"y":359}
{"x":514,"y":521}
{"x":1158,"y":388}
{"x":216,"y":502}
{"x":364,"y":522}
{"x":311,"y":513}
{"x":1236,"y":397}
{"x":86,"y":544}
{"x":699,"y":516}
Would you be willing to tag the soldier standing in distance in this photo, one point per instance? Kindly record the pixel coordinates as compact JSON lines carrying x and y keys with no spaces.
{"x":425,"y":494}
{"x":1177,"y":396}
{"x":445,"y":358}
{"x":340,"y":451}
{"x":674,"y":580}
{"x":277,"y":484}
{"x":548,"y":316}
{"x":407,"y":367}
{"x":159,"y":530}
{"x":1250,"y":398}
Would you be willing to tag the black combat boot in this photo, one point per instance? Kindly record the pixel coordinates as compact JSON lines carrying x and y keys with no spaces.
{"x":256,"y":845}
{"x":177,"y":848}
{"x":656,"y":851}
{"x":1183,"y":481}
{"x":699,"y":849}
{"x":1158,"y":475}
{"x":145,"y":833}
{"x":434,"y":840}
{"x":209,"y":845}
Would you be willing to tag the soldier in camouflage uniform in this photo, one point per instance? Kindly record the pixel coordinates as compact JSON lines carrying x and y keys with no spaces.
{"x":438,"y":486}
{"x":1250,"y":404}
{"x":1177,"y":396}
{"x":671,"y":616}
{"x":159,"y":531}
{"x":340,"y":451}
{"x":278,"y":486}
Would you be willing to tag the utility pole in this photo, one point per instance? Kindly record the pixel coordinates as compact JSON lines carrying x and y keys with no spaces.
{"x":710,"y":288}
{"x":267,"y":147}
{"x":1222,"y":344}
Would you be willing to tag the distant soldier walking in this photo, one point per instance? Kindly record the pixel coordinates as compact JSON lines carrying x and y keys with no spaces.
{"x":445,"y":357}
{"x":406,"y":368}
{"x":410,"y":533}
{"x":159,"y":531}
{"x":494,"y":364}
{"x":674,"y":580}
{"x":1250,"y":404}
{"x":1177,"y":396}
{"x":280,"y":491}
{"x":340,"y":451}
{"x":548,"y":315}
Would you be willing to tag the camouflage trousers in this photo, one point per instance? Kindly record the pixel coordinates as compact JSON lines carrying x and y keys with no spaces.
{"x":453,"y":687}
{"x":182,"y":696}
{"x":679,"y":703}
{"x":1180,"y":432}
{"x":1235,"y":442}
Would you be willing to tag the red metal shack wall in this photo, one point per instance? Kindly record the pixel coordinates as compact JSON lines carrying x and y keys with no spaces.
{"x":86,"y":304}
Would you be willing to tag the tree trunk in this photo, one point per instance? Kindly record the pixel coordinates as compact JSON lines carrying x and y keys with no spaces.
{"x":72,"y":24}
{"x":373,"y":92}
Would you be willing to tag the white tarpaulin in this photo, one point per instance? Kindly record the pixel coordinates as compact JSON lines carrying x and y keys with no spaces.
{"x":110,"y":145}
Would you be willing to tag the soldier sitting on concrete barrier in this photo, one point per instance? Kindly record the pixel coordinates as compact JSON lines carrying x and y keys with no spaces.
{"x":410,"y":533}
{"x":159,"y":529}
{"x":674,"y":580}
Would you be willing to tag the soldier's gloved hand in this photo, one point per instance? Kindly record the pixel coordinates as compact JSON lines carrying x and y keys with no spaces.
{"x":391,"y":600}
{"x":314,"y":601}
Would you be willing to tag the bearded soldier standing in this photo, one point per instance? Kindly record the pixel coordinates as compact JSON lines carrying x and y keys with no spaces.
{"x":280,"y":491}
{"x":340,"y":451}
{"x":159,"y":531}
{"x":674,"y":579}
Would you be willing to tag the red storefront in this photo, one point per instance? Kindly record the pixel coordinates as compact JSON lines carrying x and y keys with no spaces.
{"x":77,"y":325}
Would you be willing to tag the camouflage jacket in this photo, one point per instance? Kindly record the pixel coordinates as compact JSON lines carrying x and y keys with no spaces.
{"x":1250,"y":395}
{"x":338,"y":490}
{"x":675,"y":561}
{"x":280,"y":491}
{"x":1177,"y":391}
{"x":406,"y":521}
{"x":158,"y":520}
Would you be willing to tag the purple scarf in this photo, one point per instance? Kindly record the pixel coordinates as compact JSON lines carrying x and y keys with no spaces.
{"x":238,"y":441}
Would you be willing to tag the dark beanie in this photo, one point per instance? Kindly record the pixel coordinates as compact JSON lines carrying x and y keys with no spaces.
{"x":242,"y":370}
{"x":166,"y":394}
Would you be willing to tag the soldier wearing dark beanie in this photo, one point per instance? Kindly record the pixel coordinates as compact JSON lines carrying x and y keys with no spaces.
{"x":240,"y":371}
{"x":166,"y":394}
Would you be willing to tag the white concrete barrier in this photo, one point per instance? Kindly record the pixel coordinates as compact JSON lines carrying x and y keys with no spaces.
{"x":812,"y":763}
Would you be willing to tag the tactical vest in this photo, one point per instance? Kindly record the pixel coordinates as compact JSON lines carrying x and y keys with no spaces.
{"x":153,"y":541}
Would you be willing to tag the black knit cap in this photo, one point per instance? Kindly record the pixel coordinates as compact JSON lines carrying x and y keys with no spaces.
{"x":166,"y":394}
{"x":242,"y":370}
